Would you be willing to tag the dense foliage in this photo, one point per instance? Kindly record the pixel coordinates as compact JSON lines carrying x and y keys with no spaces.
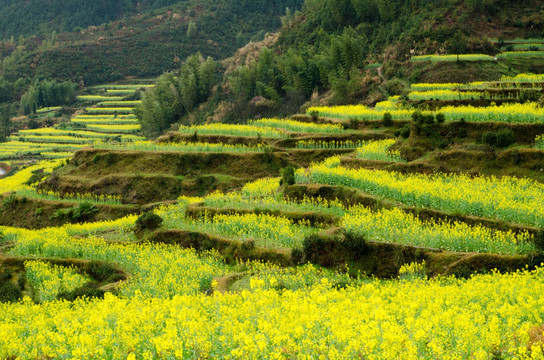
{"x":330,"y":43}
{"x":176,"y":94}
{"x":29,"y":17}
{"x":128,"y":46}
{"x":48,"y":93}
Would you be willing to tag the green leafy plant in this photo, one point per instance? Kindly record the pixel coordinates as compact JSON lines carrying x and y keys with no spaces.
{"x":148,"y":221}
{"x":288,"y":176}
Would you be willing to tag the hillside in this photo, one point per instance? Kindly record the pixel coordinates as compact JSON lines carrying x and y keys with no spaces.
{"x":43,"y":17}
{"x":141,"y":45}
{"x":355,"y":51}
{"x":364,"y":183}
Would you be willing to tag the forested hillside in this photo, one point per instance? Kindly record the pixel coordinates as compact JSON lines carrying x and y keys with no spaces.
{"x":353,"y":51}
{"x":117,"y":45}
{"x":40,"y":17}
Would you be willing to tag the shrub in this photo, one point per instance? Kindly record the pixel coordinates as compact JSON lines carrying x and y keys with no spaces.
{"x":355,"y":244}
{"x":102,"y":272}
{"x":505,"y":137}
{"x":297,"y":256}
{"x":489,"y":138}
{"x":440,"y":118}
{"x":330,"y":250}
{"x":462,"y":128}
{"x":268,"y":155}
{"x":9,"y":201}
{"x":405,"y":131}
{"x":80,"y":213}
{"x":428,"y":119}
{"x":500,"y":139}
{"x":528,"y":95}
{"x":5,"y":276}
{"x":387,"y":119}
{"x":194,"y":137}
{"x":148,"y":221}
{"x":287,"y":176}
{"x":247,"y":246}
{"x":417,"y":117}
{"x":84,"y":212}
{"x":9,"y":292}
{"x":37,"y":175}
{"x":539,"y":240}
{"x":353,"y":124}
{"x":312,"y":246}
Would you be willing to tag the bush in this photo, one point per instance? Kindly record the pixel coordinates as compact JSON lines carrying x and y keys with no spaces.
{"x":84,"y":211}
{"x":528,"y":95}
{"x":268,"y":155}
{"x":37,"y":175}
{"x":421,"y":119}
{"x":354,"y":124}
{"x":297,"y":256}
{"x":405,"y":131}
{"x":287,"y":176}
{"x":539,"y":240}
{"x":417,"y":117}
{"x":327,"y":251}
{"x":80,"y":213}
{"x":5,"y":276}
{"x":462,"y":128}
{"x":194,"y":137}
{"x":489,"y":138}
{"x":355,"y":244}
{"x":102,"y":272}
{"x":505,"y":137}
{"x":500,"y":139}
{"x":312,"y":246}
{"x":387,"y":119}
{"x":248,"y":246}
{"x":428,"y":119}
{"x":9,"y":292}
{"x":9,"y":201}
{"x":148,"y":221}
{"x":440,"y":118}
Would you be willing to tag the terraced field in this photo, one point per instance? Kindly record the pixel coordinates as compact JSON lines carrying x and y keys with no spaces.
{"x":107,"y":117}
{"x":511,"y":90}
{"x":341,"y":233}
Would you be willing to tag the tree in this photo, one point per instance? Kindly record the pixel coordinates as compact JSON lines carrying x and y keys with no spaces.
{"x":457,"y":44}
{"x":6,"y":90}
{"x":5,"y":122}
{"x":367,"y":10}
{"x":175,"y":95}
{"x":47,"y":93}
{"x":191,"y":29}
{"x":387,"y":10}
